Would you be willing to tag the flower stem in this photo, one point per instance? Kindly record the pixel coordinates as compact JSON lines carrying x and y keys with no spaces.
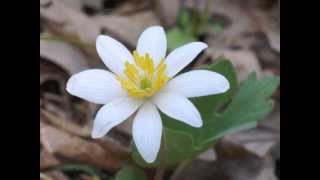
{"x":162,"y":166}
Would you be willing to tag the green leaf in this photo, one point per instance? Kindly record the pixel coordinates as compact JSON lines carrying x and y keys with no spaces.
{"x":207,"y":107}
{"x":177,"y":38}
{"x":175,"y":139}
{"x":250,"y":103}
{"x":132,"y":173}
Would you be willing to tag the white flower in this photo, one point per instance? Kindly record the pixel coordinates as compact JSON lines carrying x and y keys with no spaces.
{"x":144,"y":82}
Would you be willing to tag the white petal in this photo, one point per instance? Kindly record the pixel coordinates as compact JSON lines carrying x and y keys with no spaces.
{"x":198,"y":83}
{"x":153,"y":41}
{"x":182,"y":56}
{"x":147,"y":131}
{"x":113,"y":53}
{"x":178,"y":107}
{"x":113,"y":114}
{"x":95,"y":85}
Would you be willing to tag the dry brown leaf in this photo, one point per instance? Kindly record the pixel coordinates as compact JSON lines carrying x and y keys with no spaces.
{"x":167,"y":10}
{"x":52,"y":89}
{"x":70,"y":21}
{"x":74,"y":148}
{"x":65,"y":124}
{"x":106,"y":142}
{"x":240,"y":23}
{"x":126,"y":29}
{"x":93,"y":3}
{"x":237,"y":163}
{"x":208,"y":155}
{"x":260,"y":140}
{"x":53,"y":175}
{"x":244,"y":167}
{"x":130,"y":7}
{"x":246,"y":21}
{"x":50,"y":10}
{"x":64,"y":55}
{"x":244,"y":61}
{"x":271,"y":28}
{"x":47,"y":160}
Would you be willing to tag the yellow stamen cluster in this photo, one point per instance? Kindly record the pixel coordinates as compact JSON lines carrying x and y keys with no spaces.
{"x":143,"y":79}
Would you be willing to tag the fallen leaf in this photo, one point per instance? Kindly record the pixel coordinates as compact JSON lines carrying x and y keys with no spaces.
{"x":244,"y":61}
{"x":53,"y":175}
{"x":126,"y":29}
{"x":167,"y":11}
{"x":64,"y":55}
{"x":47,"y":160}
{"x":74,"y":148}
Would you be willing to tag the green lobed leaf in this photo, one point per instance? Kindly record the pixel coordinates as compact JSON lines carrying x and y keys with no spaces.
{"x":132,"y":173}
{"x":249,"y":104}
{"x":207,"y":107}
{"x":179,"y":144}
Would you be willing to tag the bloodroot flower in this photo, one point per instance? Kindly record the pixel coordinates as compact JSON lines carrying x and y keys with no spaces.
{"x":145,"y":82}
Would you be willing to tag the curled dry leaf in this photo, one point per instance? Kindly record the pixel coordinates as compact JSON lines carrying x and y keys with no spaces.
{"x":76,"y":149}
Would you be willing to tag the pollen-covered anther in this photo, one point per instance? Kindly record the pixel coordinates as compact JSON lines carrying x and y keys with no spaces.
{"x":143,"y":78}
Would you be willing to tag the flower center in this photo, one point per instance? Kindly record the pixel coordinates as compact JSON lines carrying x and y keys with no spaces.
{"x":143,"y":79}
